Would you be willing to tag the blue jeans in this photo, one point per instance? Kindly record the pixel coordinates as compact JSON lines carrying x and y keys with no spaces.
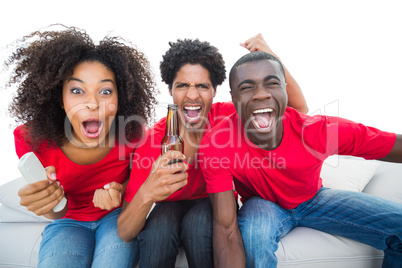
{"x":71,"y":243}
{"x":186,"y":223}
{"x":358,"y":216}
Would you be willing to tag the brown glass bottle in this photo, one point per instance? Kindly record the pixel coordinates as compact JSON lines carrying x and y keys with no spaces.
{"x":172,"y":139}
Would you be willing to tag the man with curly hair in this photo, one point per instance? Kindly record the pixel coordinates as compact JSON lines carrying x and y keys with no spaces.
{"x":76,"y":99}
{"x":182,"y":216}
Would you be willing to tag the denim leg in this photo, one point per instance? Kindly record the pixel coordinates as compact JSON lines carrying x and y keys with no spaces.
{"x":159,"y":240}
{"x":66,"y":243}
{"x":196,"y":234}
{"x":262,"y":224}
{"x":110,"y":250}
{"x":362,"y":217}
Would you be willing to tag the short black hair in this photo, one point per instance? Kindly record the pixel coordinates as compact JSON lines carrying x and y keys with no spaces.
{"x":255,"y":56}
{"x":194,"y":51}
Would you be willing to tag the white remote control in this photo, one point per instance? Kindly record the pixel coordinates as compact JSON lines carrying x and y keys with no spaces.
{"x":32,"y":170}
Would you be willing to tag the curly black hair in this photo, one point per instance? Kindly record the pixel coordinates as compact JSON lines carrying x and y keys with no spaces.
{"x":46,"y":59}
{"x":192,"y":52}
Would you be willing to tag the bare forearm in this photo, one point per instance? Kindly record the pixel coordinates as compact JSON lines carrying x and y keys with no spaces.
{"x":396,"y":153}
{"x":227,"y":241}
{"x":296,"y":98}
{"x":228,"y":248}
{"x":133,"y":216}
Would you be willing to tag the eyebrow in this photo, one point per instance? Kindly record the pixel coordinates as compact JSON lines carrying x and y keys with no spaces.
{"x":101,"y":81}
{"x":247,"y":81}
{"x":198,"y":84}
{"x":203,"y":84}
{"x":250,"y":81}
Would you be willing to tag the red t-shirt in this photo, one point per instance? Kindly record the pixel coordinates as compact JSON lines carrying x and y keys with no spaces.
{"x":149,"y":150}
{"x":290,"y":174}
{"x":80,"y":181}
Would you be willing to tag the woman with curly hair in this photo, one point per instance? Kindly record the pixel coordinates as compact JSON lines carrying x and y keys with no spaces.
{"x":83,"y":108}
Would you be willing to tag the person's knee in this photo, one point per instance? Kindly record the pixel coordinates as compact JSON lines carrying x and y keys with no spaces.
{"x":67,"y":258}
{"x":253,"y":229}
{"x":160,"y":227}
{"x":196,"y":229}
{"x":251,"y":213}
{"x":159,"y":240}
{"x":258,"y":222}
{"x":197,"y":222}
{"x":117,"y":255}
{"x":59,"y":244}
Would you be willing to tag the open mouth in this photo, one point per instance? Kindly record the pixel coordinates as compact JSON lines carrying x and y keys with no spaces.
{"x":263,"y":119}
{"x":192,"y":113}
{"x":92,"y":128}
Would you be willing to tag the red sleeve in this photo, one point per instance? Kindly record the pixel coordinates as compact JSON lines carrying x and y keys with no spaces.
{"x":22,"y":146}
{"x":144,"y":156}
{"x":323,"y":136}
{"x":217,"y":175}
{"x":360,"y":140}
{"x":138,"y":176}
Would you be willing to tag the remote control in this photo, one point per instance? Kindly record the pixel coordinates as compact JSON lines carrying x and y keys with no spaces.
{"x":32,"y":170}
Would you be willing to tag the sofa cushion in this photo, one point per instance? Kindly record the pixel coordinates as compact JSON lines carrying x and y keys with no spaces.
{"x":307,"y":248}
{"x":8,"y":214}
{"x":347,"y":173}
{"x":9,"y":197}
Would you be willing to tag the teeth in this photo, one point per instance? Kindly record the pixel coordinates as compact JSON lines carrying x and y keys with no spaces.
{"x":260,"y":111}
{"x":192,"y":108}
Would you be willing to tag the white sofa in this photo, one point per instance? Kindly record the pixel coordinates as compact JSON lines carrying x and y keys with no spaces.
{"x":20,"y":231}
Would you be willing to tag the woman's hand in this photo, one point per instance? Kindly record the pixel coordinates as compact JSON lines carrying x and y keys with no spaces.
{"x":109,"y":197}
{"x":42,"y":196}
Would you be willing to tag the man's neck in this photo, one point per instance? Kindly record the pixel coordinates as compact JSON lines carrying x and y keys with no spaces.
{"x":192,"y":139}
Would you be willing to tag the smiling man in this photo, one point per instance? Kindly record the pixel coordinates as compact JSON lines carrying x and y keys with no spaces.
{"x":261,"y":118}
{"x":279,"y":180}
{"x":182,"y":215}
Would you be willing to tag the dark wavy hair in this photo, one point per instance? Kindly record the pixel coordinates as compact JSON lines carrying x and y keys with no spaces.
{"x":47,"y":58}
{"x":192,"y":52}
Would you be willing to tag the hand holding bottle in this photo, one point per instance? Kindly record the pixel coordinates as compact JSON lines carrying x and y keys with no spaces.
{"x":165,"y":178}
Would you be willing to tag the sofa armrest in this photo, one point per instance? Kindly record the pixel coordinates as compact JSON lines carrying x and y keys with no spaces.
{"x":22,"y":247}
{"x":386,"y":182}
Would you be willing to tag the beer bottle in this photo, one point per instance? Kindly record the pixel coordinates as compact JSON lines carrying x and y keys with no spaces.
{"x":172,"y":139}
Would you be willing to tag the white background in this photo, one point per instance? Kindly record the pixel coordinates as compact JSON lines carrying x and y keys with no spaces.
{"x":345,"y":55}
